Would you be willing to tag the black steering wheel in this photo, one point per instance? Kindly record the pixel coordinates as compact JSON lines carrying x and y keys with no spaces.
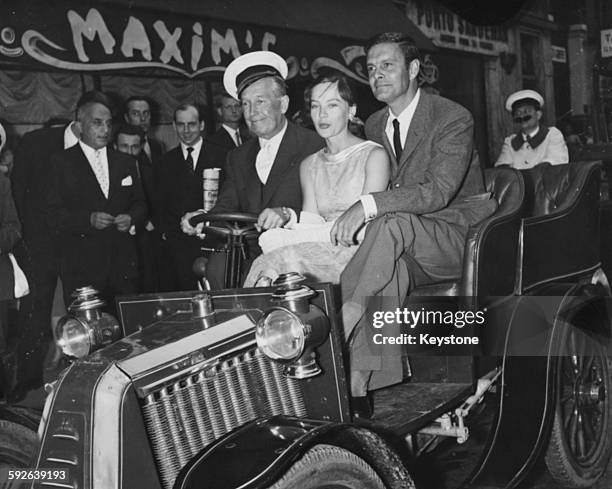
{"x":237,"y":224}
{"x":236,"y":227}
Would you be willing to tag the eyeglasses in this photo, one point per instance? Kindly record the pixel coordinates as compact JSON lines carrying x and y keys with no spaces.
{"x":525,"y":118}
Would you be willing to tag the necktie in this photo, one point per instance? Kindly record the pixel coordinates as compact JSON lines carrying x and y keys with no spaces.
{"x":238,"y":139}
{"x":147,"y":148}
{"x":397,"y":141}
{"x":263,"y":163}
{"x":101,"y":175}
{"x":189,"y":160}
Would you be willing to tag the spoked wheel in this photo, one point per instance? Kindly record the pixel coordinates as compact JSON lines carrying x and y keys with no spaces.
{"x":330,"y":467}
{"x":581,"y":437}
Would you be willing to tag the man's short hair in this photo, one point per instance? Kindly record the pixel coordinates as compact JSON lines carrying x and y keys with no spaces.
{"x":405,"y":43}
{"x":136,"y":98}
{"x":94,"y":97}
{"x":219,"y":100}
{"x":130,"y":130}
{"x":184,"y":107}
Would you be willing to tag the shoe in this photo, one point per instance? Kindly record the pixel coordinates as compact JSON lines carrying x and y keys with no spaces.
{"x":362,"y":406}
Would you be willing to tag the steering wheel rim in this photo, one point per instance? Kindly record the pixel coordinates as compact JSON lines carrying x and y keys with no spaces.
{"x":238,"y":224}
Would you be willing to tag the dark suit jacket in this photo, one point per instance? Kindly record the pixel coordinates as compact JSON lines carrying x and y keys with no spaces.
{"x":30,"y":177}
{"x":89,"y":255}
{"x":243,"y":191}
{"x":10,"y":233}
{"x":149,"y":169}
{"x":438,"y":173}
{"x":180,"y":191}
{"x":221,"y":143}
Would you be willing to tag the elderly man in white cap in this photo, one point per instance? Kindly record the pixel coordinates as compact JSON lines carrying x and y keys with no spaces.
{"x":261,"y":175}
{"x":532,"y":143}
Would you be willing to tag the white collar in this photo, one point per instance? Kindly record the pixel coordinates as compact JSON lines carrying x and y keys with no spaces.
{"x":196,"y":147}
{"x":405,"y":117}
{"x":532,"y":133}
{"x":69,"y":138}
{"x":275,"y":141}
{"x":91,"y":152}
{"x":229,"y":129}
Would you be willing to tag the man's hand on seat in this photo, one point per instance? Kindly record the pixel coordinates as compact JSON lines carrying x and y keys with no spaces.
{"x":273,"y":217}
{"x":346,"y":226}
{"x":188,"y":228}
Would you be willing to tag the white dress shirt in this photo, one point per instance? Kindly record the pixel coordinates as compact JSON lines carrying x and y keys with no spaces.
{"x":405,"y":119}
{"x":69,"y":138}
{"x":267,"y":154}
{"x":98,"y":161}
{"x":195,"y":154}
{"x":233,"y":133}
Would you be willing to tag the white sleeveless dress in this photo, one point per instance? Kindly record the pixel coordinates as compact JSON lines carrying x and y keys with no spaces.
{"x":338,"y":183}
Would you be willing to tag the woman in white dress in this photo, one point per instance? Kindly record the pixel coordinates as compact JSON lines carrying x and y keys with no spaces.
{"x":332,"y":180}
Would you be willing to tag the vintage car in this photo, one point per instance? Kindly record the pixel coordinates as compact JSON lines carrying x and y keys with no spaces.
{"x":247,"y":388}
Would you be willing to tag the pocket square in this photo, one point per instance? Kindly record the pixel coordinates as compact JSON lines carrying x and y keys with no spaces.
{"x":127,"y":181}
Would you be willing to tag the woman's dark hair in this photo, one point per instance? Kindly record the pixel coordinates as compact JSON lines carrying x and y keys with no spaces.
{"x":344,"y":88}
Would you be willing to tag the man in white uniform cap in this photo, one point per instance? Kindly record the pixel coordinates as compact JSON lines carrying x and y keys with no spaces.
{"x":261,"y":175}
{"x":532,"y":143}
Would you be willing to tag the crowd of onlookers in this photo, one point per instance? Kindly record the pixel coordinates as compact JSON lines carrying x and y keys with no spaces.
{"x":86,"y":202}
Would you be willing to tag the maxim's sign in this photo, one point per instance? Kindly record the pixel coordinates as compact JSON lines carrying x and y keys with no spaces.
{"x":104,"y":38}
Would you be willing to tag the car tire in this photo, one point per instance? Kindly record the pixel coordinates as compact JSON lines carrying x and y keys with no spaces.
{"x":581,"y":438}
{"x":17,"y":445}
{"x":327,"y":466}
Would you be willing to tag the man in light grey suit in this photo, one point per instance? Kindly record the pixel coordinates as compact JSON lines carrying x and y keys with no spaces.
{"x":417,"y":228}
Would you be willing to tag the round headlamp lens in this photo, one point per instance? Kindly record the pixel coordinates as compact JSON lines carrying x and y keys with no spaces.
{"x":280,"y":335}
{"x":73,"y":337}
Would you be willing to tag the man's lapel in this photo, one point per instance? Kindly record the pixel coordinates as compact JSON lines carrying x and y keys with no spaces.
{"x":90,"y":177}
{"x":385,"y":140}
{"x":284,"y":160}
{"x":418,"y":127}
{"x":114,"y":175}
{"x":253,"y":195}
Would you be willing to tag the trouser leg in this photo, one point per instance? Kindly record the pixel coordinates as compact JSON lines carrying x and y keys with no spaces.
{"x":399,"y":251}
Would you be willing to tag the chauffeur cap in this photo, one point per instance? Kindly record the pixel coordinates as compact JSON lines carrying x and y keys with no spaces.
{"x":524,"y":97}
{"x":248,"y":68}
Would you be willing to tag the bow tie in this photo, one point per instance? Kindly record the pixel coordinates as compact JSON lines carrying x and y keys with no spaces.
{"x":518,"y":140}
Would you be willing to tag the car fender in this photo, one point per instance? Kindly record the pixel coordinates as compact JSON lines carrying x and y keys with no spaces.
{"x":257,"y":454}
{"x":529,"y":365}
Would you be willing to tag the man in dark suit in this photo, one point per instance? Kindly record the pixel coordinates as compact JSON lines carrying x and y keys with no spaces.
{"x":417,"y":229}
{"x":39,"y":255}
{"x":95,"y":200}
{"x":231,"y":134}
{"x":129,"y":139}
{"x":262,"y":175}
{"x":180,"y":187}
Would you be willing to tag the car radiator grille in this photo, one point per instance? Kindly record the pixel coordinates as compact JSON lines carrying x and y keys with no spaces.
{"x":188,"y":415}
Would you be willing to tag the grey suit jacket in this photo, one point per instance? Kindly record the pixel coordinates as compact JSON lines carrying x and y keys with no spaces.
{"x":438,"y":174}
